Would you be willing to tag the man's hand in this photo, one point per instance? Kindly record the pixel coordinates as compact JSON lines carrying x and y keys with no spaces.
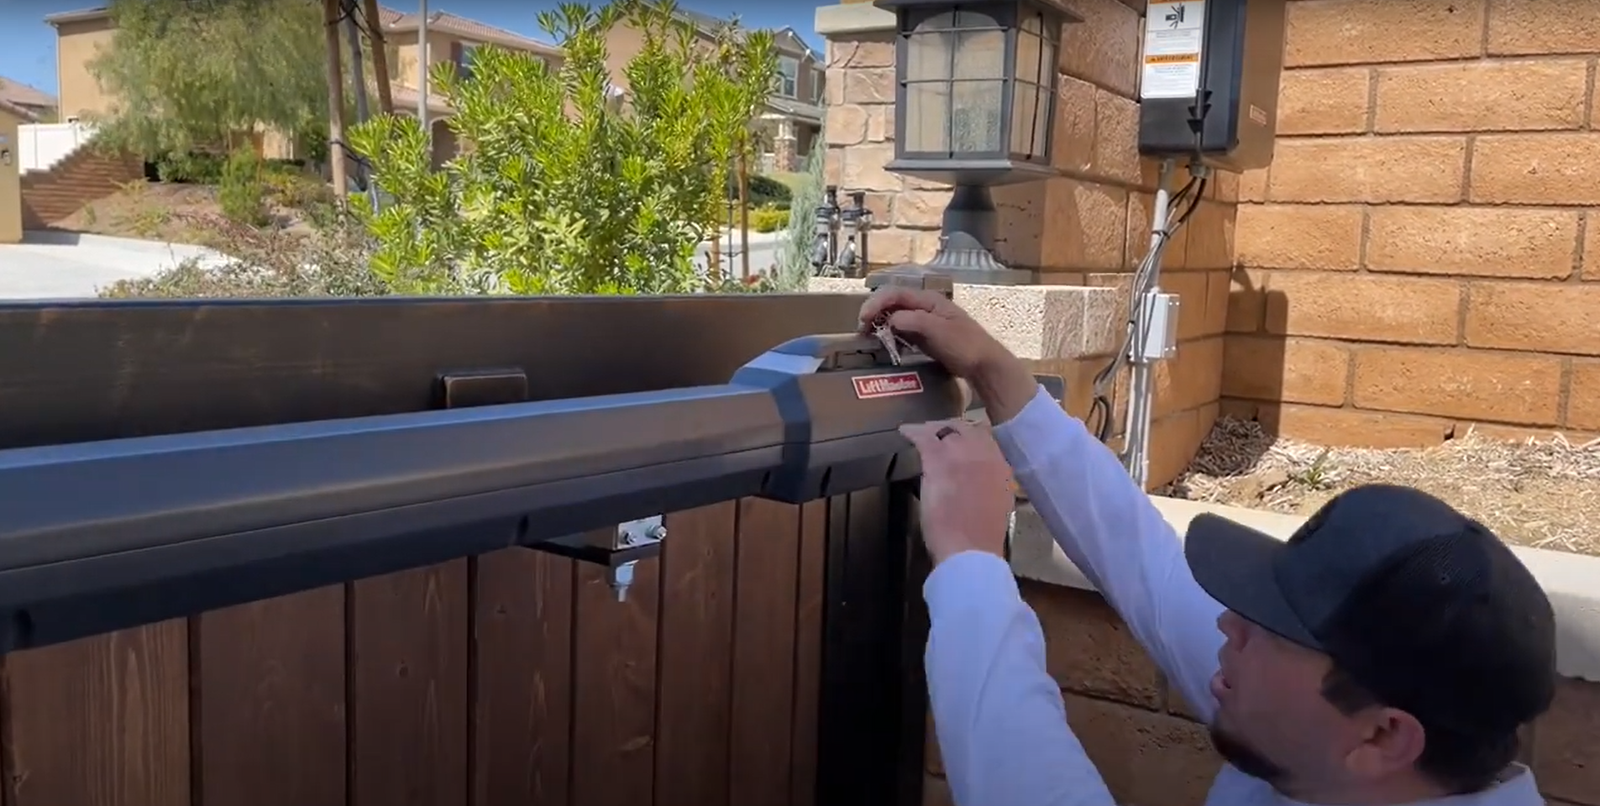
{"x":942,"y":330}
{"x":966,"y":492}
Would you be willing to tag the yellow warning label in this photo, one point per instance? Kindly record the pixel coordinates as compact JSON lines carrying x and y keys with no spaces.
{"x":1172,"y":58}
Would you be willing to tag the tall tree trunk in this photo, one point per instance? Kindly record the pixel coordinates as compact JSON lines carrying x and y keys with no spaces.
{"x":337,"y":153}
{"x":380,"y":56}
{"x":359,"y":79}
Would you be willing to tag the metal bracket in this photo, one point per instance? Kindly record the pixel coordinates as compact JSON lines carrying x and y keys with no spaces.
{"x":618,"y":550}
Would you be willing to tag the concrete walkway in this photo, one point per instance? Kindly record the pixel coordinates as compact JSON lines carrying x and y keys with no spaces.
{"x":67,"y":265}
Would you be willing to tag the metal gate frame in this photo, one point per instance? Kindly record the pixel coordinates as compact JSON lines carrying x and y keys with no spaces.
{"x":93,"y":371}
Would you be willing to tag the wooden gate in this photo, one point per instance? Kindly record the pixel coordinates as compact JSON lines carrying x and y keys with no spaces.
{"x":767,"y":656}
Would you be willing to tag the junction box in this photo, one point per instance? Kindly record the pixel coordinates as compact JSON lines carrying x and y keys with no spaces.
{"x":1208,"y":86}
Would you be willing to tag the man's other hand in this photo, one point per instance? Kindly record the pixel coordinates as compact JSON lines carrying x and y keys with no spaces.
{"x":936,"y":326}
{"x":966,"y":495}
{"x":942,"y":330}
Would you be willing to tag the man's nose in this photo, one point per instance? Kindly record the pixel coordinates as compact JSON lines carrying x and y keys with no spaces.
{"x":1232,"y":626}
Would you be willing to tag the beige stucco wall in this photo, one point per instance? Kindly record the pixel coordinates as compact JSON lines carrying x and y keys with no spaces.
{"x":76,"y":45}
{"x":10,"y":180}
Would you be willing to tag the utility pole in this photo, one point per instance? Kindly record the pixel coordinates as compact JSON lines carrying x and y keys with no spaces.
{"x":337,"y":155}
{"x":422,"y":72}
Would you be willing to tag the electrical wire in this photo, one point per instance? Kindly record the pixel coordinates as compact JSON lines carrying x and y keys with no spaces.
{"x":1100,"y":404}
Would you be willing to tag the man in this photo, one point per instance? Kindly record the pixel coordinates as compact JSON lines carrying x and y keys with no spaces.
{"x":1386,"y":654}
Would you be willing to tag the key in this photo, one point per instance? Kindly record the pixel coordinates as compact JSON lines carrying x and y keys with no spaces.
{"x":892,"y":343}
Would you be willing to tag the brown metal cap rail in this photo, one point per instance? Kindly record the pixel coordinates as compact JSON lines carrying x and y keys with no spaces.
{"x":105,"y":535}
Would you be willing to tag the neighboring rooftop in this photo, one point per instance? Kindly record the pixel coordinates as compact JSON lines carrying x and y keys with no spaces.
{"x":394,"y":21}
{"x":23,"y":95}
{"x":445,"y":22}
{"x":21,"y":113}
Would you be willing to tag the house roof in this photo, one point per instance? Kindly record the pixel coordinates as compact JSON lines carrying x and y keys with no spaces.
{"x":394,"y":21}
{"x":21,"y":94}
{"x":405,"y":100}
{"x":78,"y":15}
{"x":445,"y":22}
{"x":791,"y":108}
{"x":21,"y":113}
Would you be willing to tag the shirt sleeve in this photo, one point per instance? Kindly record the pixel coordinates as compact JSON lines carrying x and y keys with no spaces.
{"x":1109,"y":529}
{"x":999,"y":716}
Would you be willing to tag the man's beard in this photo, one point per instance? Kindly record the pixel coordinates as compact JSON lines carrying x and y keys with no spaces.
{"x":1244,"y":758}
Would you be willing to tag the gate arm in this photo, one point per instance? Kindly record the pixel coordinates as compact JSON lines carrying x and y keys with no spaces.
{"x":105,"y":535}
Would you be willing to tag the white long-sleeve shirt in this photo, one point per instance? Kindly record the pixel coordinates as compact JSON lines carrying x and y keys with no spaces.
{"x":998,"y":713}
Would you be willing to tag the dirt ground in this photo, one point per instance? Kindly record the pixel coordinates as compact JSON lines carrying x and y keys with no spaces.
{"x":1543,"y":493}
{"x":159,"y":211}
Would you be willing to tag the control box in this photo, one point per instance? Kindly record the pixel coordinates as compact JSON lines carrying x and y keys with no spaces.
{"x":1208,"y":86}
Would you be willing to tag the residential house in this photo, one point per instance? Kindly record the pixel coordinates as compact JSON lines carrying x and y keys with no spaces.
{"x":35,"y":104}
{"x":450,"y":38}
{"x":793,"y":117}
{"x":11,"y":116}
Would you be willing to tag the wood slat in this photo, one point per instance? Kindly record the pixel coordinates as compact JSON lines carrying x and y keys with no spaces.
{"x":698,"y":600}
{"x":614,"y":687}
{"x":100,"y":721}
{"x":269,"y":701}
{"x":408,"y":650}
{"x":511,"y":679}
{"x":810,"y":567}
{"x":522,"y":672}
{"x":764,"y":652}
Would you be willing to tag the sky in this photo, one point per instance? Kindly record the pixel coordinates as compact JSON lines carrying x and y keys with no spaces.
{"x":28,"y":45}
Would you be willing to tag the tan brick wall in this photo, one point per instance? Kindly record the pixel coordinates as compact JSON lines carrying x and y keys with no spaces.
{"x":1151,"y":751}
{"x":1088,"y":227}
{"x":1424,"y":252}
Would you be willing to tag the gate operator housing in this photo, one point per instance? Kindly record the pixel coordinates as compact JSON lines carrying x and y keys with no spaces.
{"x":1208,"y":89}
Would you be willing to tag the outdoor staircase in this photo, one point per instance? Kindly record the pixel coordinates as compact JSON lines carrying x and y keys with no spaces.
{"x":82,"y":177}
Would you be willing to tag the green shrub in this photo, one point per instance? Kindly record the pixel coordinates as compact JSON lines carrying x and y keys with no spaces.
{"x":568,"y":190}
{"x":764,"y":192}
{"x":198,"y":168}
{"x":242,"y":194}
{"x":768,"y":219}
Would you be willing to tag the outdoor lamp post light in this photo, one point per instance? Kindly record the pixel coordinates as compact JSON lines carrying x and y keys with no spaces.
{"x":974,"y":101}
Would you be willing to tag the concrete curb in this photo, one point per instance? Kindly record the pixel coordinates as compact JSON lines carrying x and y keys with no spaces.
{"x":1572,"y":581}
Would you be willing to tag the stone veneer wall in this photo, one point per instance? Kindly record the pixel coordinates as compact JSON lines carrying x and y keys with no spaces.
{"x":1088,"y":227}
{"x":1424,"y":252}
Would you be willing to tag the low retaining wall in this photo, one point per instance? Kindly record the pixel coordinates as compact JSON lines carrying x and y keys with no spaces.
{"x":1144,"y":739}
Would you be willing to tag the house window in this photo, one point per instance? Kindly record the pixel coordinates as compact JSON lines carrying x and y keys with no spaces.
{"x":788,"y":76}
{"x":466,"y":54}
{"x":816,"y":86}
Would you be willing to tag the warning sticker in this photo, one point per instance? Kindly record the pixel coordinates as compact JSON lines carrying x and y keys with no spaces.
{"x":1173,"y":35}
{"x":891,"y":385}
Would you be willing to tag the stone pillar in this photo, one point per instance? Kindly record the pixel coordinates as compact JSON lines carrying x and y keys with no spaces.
{"x":1088,"y":227}
{"x":783,"y":146}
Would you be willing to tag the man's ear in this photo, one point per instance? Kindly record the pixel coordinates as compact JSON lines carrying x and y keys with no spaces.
{"x":1393,"y":741}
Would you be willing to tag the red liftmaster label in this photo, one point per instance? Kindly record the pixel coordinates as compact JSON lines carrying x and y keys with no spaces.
{"x":891,"y":385}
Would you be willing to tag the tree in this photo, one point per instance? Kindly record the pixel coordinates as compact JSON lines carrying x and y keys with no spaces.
{"x":799,"y":245}
{"x":188,"y":74}
{"x":569,"y":187}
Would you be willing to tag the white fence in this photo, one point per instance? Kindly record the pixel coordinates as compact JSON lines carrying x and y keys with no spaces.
{"x":42,"y":145}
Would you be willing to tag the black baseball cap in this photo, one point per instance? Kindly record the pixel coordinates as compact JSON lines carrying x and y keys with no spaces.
{"x":1419,"y":604}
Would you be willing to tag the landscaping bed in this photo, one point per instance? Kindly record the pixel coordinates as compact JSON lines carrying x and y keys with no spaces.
{"x":1543,"y":493}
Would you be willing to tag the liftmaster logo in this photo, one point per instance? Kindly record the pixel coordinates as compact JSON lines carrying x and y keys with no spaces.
{"x":892,"y":385}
